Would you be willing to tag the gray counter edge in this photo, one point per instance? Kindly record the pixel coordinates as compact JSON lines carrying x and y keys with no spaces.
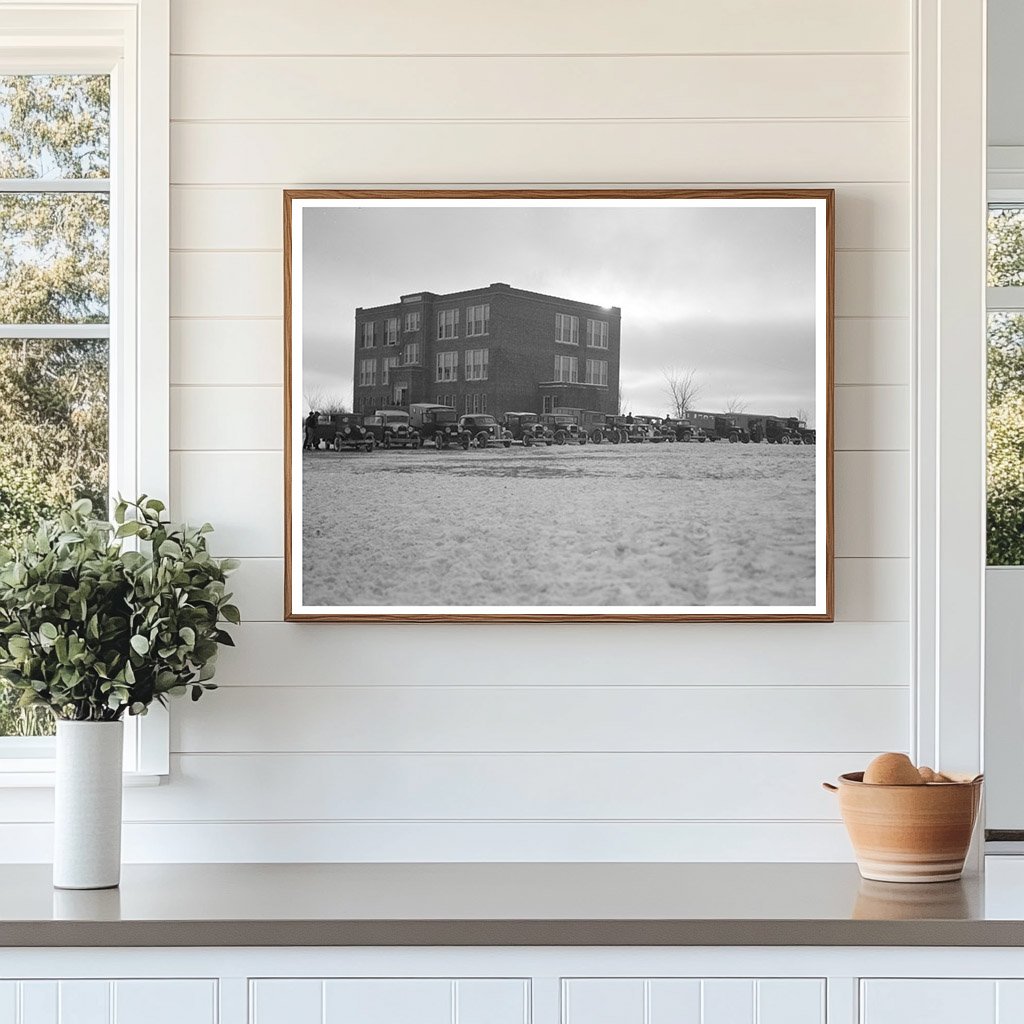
{"x":250,"y":933}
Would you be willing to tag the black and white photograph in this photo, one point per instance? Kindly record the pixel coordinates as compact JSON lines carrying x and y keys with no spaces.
{"x":517,"y":405}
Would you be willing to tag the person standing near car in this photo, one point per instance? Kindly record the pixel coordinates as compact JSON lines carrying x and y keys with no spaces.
{"x":309,"y":435}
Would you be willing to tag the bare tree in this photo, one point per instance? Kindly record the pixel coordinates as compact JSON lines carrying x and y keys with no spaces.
{"x":735,"y":405}
{"x":323,"y":399}
{"x":683,"y":389}
{"x":623,"y":402}
{"x":803,"y":416}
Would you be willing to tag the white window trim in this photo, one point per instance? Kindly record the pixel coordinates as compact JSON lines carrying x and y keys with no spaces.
{"x":602,"y":334}
{"x":131,"y":42}
{"x":485,"y":321}
{"x":471,"y":364}
{"x":948,"y":446}
{"x":445,"y":363}
{"x":559,"y":318}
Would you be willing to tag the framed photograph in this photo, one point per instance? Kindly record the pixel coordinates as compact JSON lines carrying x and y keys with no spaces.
{"x":558,"y":405}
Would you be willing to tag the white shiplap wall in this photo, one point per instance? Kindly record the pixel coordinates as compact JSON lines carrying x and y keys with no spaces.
{"x":690,"y":741}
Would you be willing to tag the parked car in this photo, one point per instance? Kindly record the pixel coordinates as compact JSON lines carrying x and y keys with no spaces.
{"x":613,"y":429}
{"x":685,"y":430}
{"x":484,"y":431}
{"x":527,"y":428}
{"x":350,"y":433}
{"x":564,"y":428}
{"x":777,"y":431}
{"x":436,"y":423}
{"x":725,"y":429}
{"x":799,"y":431}
{"x":398,"y":430}
{"x":652,"y":426}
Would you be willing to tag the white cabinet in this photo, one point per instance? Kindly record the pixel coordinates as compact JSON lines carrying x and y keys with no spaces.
{"x":389,"y":1001}
{"x":693,"y":1001}
{"x":143,"y":1001}
{"x":942,"y":1001}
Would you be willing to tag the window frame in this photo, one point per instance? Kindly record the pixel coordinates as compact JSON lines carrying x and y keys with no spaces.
{"x":446,"y":368}
{"x":574,"y":329}
{"x":602,"y":334}
{"x":484,"y":321}
{"x":129,"y":42}
{"x":443,"y":324}
{"x":472,"y":363}
{"x":574,"y":364}
{"x":596,"y":363}
{"x":411,"y":346}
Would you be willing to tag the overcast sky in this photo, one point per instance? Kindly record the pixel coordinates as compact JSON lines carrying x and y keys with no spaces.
{"x":728,"y":291}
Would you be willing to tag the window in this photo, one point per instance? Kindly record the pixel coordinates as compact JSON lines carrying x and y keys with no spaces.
{"x":597,"y":372}
{"x":411,"y":353}
{"x":367,"y":373}
{"x":391,"y":330}
{"x":54,"y":304}
{"x":567,"y":369}
{"x":476,"y":363}
{"x":447,"y":366}
{"x":597,"y":334}
{"x":478,"y":320}
{"x":412,"y":321}
{"x":567,"y":329}
{"x":476,"y":403}
{"x":390,"y":363}
{"x":367,"y":335}
{"x":447,"y":324}
{"x":547,"y":404}
{"x":448,"y":400}
{"x":1005,"y":535}
{"x":83,"y":407}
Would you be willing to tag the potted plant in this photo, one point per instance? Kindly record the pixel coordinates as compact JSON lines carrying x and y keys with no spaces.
{"x":99,"y":620}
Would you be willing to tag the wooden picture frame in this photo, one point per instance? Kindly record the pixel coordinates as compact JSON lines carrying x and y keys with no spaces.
{"x":301,"y":206}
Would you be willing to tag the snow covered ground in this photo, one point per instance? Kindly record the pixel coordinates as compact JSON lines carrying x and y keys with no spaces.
{"x":680,"y":524}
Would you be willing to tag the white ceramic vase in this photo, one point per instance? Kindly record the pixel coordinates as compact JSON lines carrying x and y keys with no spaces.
{"x":87,"y":806}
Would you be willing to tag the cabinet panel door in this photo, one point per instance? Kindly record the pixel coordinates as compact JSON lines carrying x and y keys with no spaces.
{"x":388,"y":1001}
{"x":490,"y":1001}
{"x":165,"y":1002}
{"x":286,"y":1001}
{"x":790,"y":1001}
{"x":603,"y":1001}
{"x":934,"y":1001}
{"x":8,"y":1002}
{"x":84,"y":1002}
{"x":693,"y":1001}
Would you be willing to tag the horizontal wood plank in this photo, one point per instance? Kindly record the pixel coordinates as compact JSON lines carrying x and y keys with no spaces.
{"x":212,"y":353}
{"x":235,"y":284}
{"x":242,"y":492}
{"x":581,"y":654}
{"x":872,"y":504}
{"x":868,"y":216}
{"x":872,"y":418}
{"x":727,"y":152}
{"x":867,"y":589}
{"x":538,"y":88}
{"x":353,"y":718}
{"x":872,"y":350}
{"x":376,"y":787}
{"x":460,"y":842}
{"x":532,"y":26}
{"x":249,"y":418}
{"x":243,"y":352}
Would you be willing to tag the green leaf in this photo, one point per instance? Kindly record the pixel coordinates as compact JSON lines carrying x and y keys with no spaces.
{"x":140,"y":644}
{"x":232,"y":614}
{"x":170,"y":549}
{"x":48,"y":631}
